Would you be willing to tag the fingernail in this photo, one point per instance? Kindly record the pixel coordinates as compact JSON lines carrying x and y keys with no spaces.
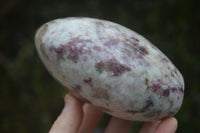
{"x":175,"y":125}
{"x":68,"y":98}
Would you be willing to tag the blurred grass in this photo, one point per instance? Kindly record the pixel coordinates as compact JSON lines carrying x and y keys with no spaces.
{"x":30,"y":100}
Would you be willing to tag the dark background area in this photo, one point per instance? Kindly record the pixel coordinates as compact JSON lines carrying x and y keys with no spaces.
{"x":30,"y":99}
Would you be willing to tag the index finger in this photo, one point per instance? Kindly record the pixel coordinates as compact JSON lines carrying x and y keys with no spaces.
{"x":70,"y":118}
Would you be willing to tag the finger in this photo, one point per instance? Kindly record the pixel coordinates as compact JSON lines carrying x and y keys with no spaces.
{"x":149,"y":127}
{"x":70,"y":118}
{"x":117,"y":125}
{"x":90,"y":119}
{"x":168,"y":125}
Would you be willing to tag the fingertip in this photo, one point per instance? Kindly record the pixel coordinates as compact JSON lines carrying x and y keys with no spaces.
{"x":71,"y":116}
{"x":174,"y":123}
{"x":174,"y":120}
{"x":169,"y":125}
{"x":73,"y":105}
{"x":171,"y":121}
{"x":69,"y":98}
{"x":149,"y":127}
{"x":91,"y":118}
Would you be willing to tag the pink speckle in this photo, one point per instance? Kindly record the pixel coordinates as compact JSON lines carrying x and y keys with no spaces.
{"x":129,"y":52}
{"x":135,"y":39}
{"x":52,"y":32}
{"x":132,"y":57}
{"x":163,"y":59}
{"x":159,"y":81}
{"x":85,"y":58}
{"x":133,"y":66}
{"x":181,"y":90}
{"x":174,"y":89}
{"x":60,"y":49}
{"x":73,"y":48}
{"x":88,"y":51}
{"x":143,"y":50}
{"x":80,"y":40}
{"x":166,"y":92}
{"x":111,"y":42}
{"x":77,"y":88}
{"x":118,"y":68}
{"x":128,"y":69}
{"x":101,"y":63}
{"x":97,"y":48}
{"x":88,"y":81}
{"x":112,"y":65}
{"x":156,"y":86}
{"x":74,"y":52}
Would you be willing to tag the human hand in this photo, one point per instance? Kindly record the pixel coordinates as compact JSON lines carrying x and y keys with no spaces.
{"x":78,"y":118}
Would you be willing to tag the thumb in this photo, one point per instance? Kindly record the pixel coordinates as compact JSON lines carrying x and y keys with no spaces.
{"x":168,"y":125}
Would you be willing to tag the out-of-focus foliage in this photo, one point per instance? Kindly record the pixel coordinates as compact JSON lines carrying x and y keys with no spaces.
{"x":30,"y":100}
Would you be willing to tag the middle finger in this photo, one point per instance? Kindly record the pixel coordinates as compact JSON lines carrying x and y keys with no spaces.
{"x":90,"y":120}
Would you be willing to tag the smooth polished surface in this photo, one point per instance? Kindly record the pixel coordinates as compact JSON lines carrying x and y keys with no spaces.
{"x":111,"y":67}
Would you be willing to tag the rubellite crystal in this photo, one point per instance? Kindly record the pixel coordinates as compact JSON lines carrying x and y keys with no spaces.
{"x":111,"y":67}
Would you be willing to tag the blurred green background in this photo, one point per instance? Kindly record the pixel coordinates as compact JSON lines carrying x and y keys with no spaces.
{"x":30,"y":99}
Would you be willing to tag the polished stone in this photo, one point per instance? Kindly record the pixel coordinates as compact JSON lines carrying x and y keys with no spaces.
{"x":111,"y":67}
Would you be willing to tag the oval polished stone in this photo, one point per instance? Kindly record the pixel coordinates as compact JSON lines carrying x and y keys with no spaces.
{"x":111,"y":67}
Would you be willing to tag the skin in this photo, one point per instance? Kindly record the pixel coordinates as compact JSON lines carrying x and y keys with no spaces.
{"x":77,"y":117}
